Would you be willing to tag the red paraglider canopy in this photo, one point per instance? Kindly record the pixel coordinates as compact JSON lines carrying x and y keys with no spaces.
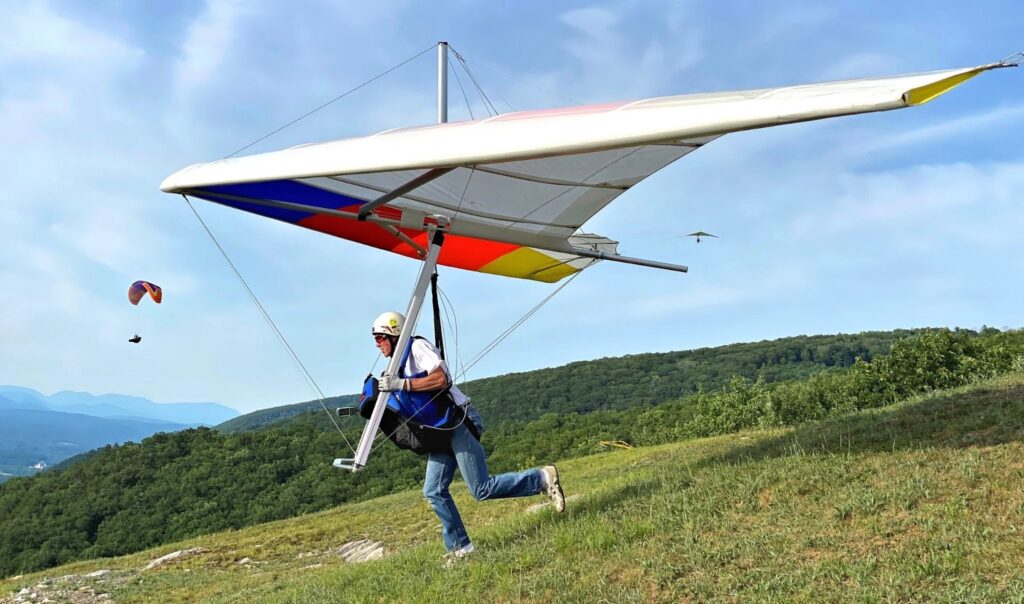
{"x":141,"y":288}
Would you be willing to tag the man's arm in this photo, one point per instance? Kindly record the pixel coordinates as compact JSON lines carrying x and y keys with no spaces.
{"x":435,"y":380}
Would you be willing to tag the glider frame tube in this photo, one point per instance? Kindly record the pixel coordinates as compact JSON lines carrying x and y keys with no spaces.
{"x":386,"y":223}
{"x":412,"y":185}
{"x":626,"y":259}
{"x":412,"y":313}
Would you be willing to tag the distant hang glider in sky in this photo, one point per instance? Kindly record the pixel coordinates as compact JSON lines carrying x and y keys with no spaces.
{"x":508,"y":194}
{"x":699,"y":234}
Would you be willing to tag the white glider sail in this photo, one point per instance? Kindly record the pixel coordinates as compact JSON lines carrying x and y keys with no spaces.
{"x":516,"y":188}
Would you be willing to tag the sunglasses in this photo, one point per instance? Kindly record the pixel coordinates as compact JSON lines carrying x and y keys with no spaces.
{"x":377,"y":337}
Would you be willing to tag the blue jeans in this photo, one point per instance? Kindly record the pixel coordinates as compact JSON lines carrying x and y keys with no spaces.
{"x":469,"y":456}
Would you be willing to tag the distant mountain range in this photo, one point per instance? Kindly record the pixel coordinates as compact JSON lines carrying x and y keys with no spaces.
{"x":37,"y":430}
{"x":115,"y":405}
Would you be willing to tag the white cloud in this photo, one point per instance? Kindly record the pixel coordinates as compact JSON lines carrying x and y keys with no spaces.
{"x":595,"y":23}
{"x":207,"y":43}
{"x":35,"y":34}
{"x":967,"y":126}
{"x":604,"y":52}
{"x":896,"y":203}
{"x":754,"y":283}
{"x":782,"y":22}
{"x":859,"y":65}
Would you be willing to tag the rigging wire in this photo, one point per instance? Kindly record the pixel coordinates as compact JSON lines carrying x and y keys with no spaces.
{"x":509,"y":75}
{"x":498,"y":340}
{"x":270,"y":322}
{"x":464,"y":95}
{"x":487,"y":100}
{"x":309,"y":378}
{"x":489,"y":105}
{"x":453,"y":325}
{"x":491,"y":110}
{"x":462,"y":371}
{"x":337,"y":98}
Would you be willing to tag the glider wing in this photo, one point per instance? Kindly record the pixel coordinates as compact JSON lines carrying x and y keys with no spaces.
{"x":140,"y":288}
{"x":518,"y":187}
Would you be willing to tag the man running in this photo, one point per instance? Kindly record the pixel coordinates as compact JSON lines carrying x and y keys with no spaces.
{"x":422,"y":375}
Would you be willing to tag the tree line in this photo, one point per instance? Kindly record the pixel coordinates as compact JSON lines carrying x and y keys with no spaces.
{"x":628,"y":381}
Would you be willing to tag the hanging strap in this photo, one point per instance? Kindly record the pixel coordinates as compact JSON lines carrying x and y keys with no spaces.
{"x":438,"y":336}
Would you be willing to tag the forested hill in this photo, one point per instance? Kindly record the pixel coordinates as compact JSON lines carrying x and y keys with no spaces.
{"x":264,"y":417}
{"x":650,"y":379}
{"x":629,"y":381}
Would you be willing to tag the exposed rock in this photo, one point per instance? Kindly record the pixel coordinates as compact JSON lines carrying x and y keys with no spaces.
{"x":181,"y":553}
{"x":245,"y":561}
{"x":362,"y":550}
{"x":70,"y":589}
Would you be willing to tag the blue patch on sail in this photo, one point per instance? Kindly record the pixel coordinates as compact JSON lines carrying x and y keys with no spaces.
{"x":276,"y":190}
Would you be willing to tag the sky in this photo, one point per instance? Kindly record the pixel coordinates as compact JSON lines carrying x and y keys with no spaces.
{"x":897,"y":219}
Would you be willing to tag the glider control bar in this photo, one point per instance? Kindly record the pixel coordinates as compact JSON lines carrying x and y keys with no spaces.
{"x":412,"y":313}
{"x":415,"y":183}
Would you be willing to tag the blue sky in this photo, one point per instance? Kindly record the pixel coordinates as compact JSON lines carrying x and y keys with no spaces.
{"x":899,"y":219}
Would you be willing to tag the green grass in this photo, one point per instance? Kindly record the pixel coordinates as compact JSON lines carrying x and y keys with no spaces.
{"x":918,"y":502}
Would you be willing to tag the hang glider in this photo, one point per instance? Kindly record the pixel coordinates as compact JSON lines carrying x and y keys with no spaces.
{"x":516,"y":188}
{"x":508,"y":194}
{"x":699,"y":234}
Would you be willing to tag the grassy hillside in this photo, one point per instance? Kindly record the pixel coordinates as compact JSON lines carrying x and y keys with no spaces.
{"x":919,"y":501}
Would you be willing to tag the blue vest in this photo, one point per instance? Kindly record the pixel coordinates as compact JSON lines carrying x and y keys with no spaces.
{"x":429,"y":408}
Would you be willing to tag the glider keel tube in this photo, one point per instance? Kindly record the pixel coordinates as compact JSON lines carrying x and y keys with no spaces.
{"x":627,"y":260}
{"x":412,"y":313}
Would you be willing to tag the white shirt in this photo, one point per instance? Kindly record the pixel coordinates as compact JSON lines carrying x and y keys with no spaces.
{"x":425,"y":358}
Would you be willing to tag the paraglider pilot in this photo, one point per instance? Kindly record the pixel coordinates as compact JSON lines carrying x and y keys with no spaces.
{"x":423,"y":397}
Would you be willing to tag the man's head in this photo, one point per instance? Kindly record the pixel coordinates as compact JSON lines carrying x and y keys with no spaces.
{"x":386,"y":329}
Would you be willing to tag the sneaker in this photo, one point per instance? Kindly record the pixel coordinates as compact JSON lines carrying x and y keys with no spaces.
{"x":553,"y":488}
{"x":457,"y":556}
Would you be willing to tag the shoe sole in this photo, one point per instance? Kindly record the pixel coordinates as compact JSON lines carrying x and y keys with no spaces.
{"x":559,"y":502}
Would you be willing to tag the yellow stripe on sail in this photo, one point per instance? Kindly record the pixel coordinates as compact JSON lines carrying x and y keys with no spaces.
{"x":528,"y":263}
{"x":923,"y":94}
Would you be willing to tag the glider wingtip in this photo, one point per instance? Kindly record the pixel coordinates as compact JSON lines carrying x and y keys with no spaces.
{"x":928,"y":92}
{"x":170,"y":184}
{"x":178,"y":182}
{"x":1014,"y":60}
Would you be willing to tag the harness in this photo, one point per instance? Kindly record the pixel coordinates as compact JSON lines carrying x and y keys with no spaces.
{"x":427,"y":408}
